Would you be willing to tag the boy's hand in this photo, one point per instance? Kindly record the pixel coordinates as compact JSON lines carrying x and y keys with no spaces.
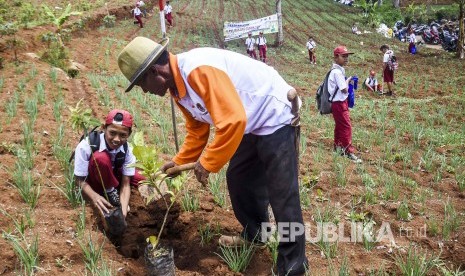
{"x":101,"y":204}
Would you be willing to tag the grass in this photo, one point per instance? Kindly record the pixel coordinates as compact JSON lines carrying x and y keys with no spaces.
{"x":190,"y":202}
{"x":217,"y":187}
{"x":452,"y":221}
{"x":416,"y":263}
{"x":207,"y":232}
{"x":92,"y":253}
{"x":237,"y":257}
{"x":26,"y":185}
{"x":27,"y":252}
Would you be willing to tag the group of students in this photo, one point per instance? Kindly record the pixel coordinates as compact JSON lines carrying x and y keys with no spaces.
{"x":140,"y":9}
{"x":260,"y":42}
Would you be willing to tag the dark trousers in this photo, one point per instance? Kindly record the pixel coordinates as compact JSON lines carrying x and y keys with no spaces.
{"x":264,"y":171}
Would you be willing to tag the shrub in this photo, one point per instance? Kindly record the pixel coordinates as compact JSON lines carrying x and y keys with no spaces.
{"x":109,"y":21}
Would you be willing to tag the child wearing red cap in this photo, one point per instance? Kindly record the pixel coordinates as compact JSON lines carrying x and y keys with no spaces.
{"x":338,"y":89}
{"x":371,"y":83}
{"x":96,"y":171}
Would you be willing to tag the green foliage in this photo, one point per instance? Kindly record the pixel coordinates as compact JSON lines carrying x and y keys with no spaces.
{"x":109,"y":21}
{"x":26,"y":14}
{"x":56,"y":56}
{"x":27,"y":252}
{"x":159,"y":182}
{"x":81,"y":118}
{"x":416,"y":263}
{"x":237,"y":257}
{"x":207,"y":232}
{"x":58,"y":21}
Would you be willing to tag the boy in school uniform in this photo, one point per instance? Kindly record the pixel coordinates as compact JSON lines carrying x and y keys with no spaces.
{"x":371,"y":83}
{"x":388,"y":73}
{"x":250,"y":44}
{"x":311,"y":45}
{"x":96,"y":173}
{"x":261,"y":42}
{"x":338,"y":85}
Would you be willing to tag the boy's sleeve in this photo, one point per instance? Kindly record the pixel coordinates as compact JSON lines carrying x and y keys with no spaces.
{"x":81,"y":159}
{"x":129,"y":160}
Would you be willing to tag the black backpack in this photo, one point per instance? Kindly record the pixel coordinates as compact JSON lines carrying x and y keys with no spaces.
{"x":323,"y":97}
{"x":94,"y":143}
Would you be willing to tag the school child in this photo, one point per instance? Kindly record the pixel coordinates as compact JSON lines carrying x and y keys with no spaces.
{"x":371,"y":83}
{"x":250,"y":45}
{"x":104,"y":176}
{"x":338,"y":89}
{"x":311,"y":47}
{"x":261,"y":42}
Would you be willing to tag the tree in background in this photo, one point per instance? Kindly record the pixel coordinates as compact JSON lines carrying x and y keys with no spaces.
{"x":461,"y":41}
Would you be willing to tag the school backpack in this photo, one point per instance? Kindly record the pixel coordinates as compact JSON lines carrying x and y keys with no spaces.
{"x":323,"y":97}
{"x":393,"y":63}
{"x":93,"y":137}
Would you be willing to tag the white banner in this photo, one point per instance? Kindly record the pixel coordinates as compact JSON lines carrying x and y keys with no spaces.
{"x":236,"y":30}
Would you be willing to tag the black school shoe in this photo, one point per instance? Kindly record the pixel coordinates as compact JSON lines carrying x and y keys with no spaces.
{"x":113,"y":198}
{"x":354,"y":158}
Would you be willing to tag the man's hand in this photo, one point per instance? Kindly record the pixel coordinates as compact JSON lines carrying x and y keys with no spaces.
{"x":101,"y":204}
{"x":201,"y":173}
{"x":169,"y":165}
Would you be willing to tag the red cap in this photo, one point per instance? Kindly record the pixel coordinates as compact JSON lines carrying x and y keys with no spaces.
{"x":372,"y":72}
{"x":341,"y":50}
{"x":126,"y":120}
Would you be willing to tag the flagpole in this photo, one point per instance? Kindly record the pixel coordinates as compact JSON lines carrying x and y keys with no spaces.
{"x":161,"y":5}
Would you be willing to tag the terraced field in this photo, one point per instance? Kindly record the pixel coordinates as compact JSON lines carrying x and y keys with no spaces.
{"x":412,"y":177}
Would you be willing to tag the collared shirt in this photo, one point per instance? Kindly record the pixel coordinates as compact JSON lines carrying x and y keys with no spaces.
{"x":371,"y":81}
{"x":261,"y":40}
{"x":412,"y":38}
{"x":250,"y":41}
{"x":337,"y":82}
{"x":83,"y":155}
{"x":167,"y":9}
{"x":311,"y":44}
{"x":137,"y":11}
{"x":387,"y":55}
{"x":235,"y":94}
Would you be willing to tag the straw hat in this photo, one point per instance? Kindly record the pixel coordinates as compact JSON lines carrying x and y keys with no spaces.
{"x":137,"y":57}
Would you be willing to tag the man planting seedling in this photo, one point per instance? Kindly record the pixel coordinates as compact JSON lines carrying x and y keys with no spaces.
{"x":255,"y":116}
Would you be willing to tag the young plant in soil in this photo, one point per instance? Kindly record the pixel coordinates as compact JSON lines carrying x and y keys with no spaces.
{"x":159,"y":183}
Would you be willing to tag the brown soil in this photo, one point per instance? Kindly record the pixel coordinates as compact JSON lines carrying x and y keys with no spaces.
{"x":55,"y":218}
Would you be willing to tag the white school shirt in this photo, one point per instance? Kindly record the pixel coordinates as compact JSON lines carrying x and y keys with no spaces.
{"x":261,"y":41}
{"x":412,"y":38}
{"x":167,"y":9}
{"x":83,"y":154}
{"x":311,"y":44}
{"x":387,"y":55}
{"x":137,"y":11}
{"x":337,"y":80}
{"x":250,"y":41}
{"x":371,"y":81}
